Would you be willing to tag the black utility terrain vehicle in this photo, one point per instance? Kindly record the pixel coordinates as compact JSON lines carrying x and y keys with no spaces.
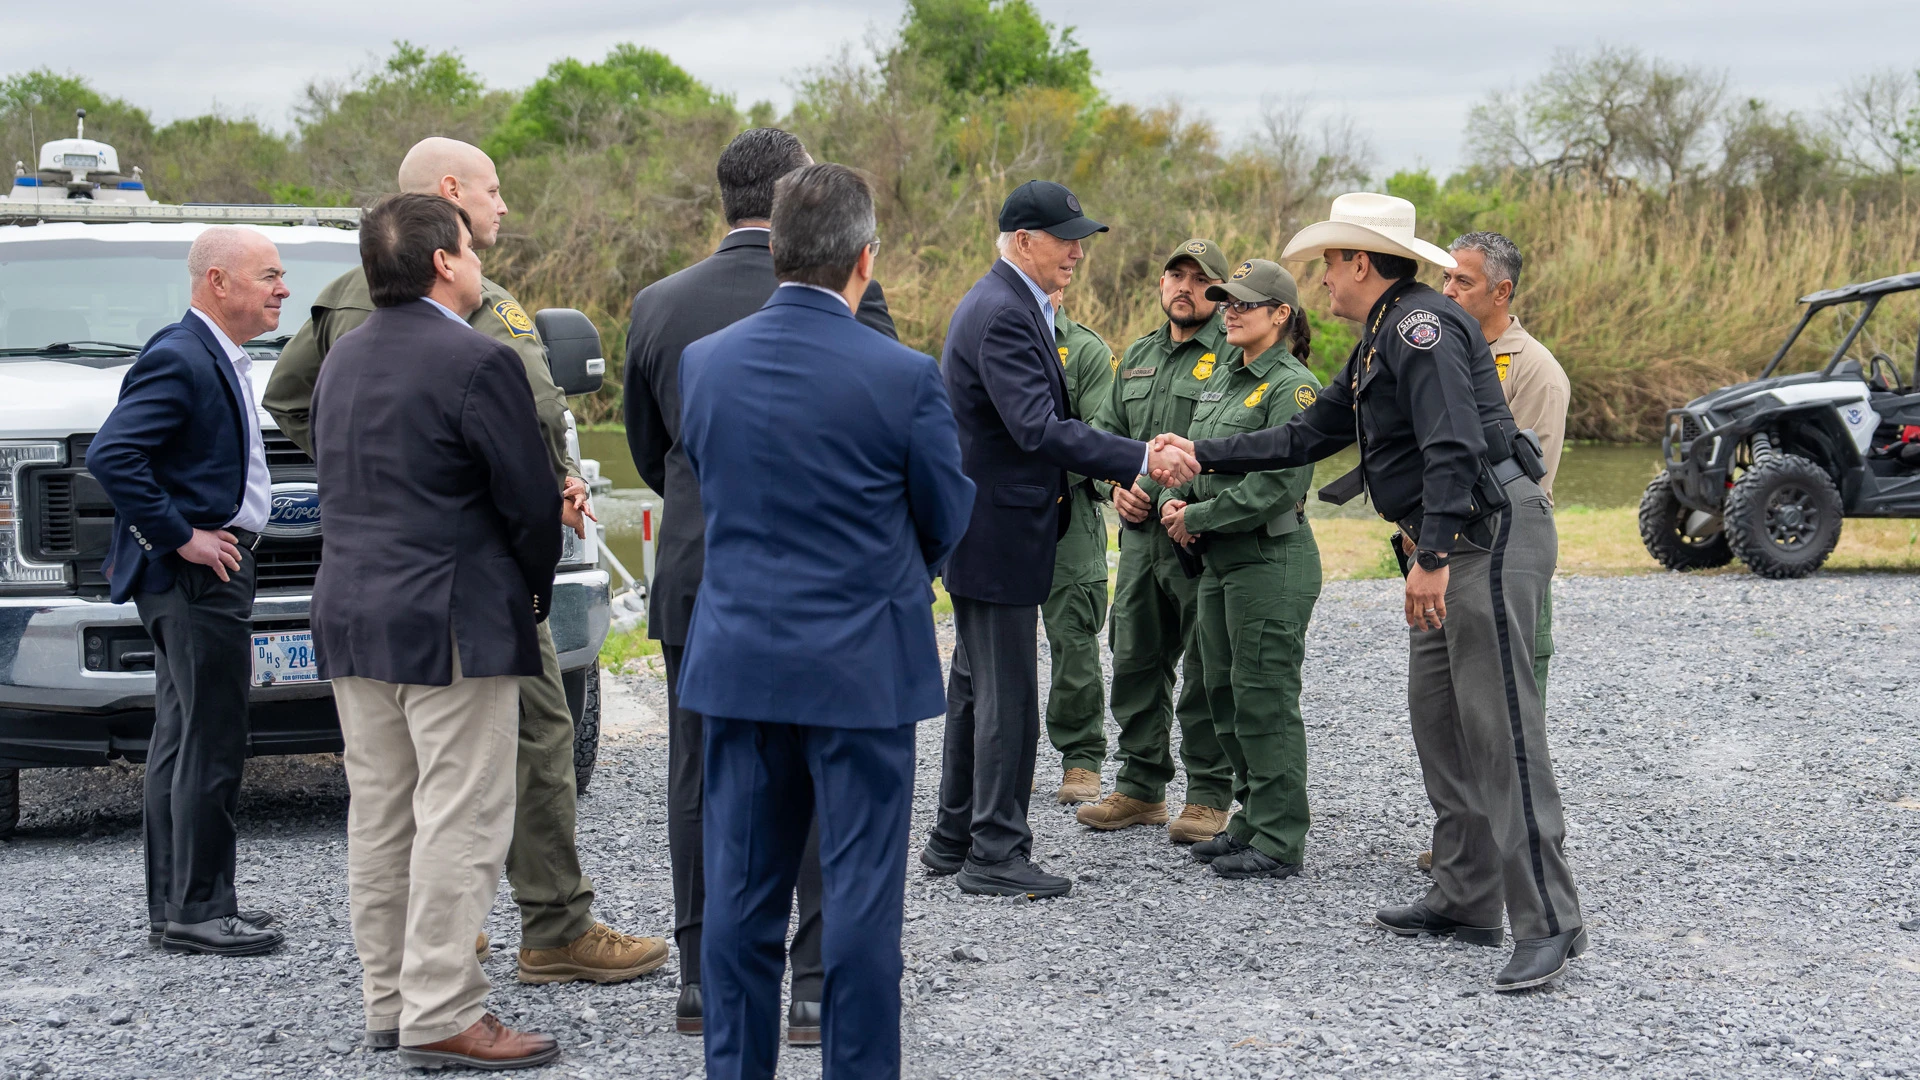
{"x":1766,"y":470}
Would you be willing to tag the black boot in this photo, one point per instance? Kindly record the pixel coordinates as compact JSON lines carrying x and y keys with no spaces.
{"x":687,"y":1016}
{"x":1251,"y":862}
{"x":1538,"y":961}
{"x":1015,"y":877}
{"x":1412,"y":920}
{"x":1221,"y":844}
{"x":803,"y":1023}
{"x":940,"y":859}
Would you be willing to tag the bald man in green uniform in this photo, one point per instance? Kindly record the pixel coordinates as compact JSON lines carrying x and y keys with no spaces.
{"x":1077,"y":608}
{"x":560,"y":941}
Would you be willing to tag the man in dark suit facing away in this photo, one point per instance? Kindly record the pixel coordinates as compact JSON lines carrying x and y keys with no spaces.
{"x":832,"y":492}
{"x":439,"y":568}
{"x":712,"y":294}
{"x":182,"y":460}
{"x":1019,"y":440}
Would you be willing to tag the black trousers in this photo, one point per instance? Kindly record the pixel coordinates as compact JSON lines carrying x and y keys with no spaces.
{"x":993,"y":727}
{"x":686,"y":775}
{"x":202,"y":665}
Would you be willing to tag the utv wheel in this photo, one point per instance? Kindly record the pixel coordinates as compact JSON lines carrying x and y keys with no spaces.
{"x":583,"y":699}
{"x":1664,"y":524}
{"x":1783,"y":517}
{"x":9,"y":801}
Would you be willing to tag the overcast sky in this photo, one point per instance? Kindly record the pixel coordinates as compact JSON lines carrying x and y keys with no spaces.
{"x":1406,"y":73}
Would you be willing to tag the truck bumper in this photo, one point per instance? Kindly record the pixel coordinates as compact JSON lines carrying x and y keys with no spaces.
{"x":59,"y":707}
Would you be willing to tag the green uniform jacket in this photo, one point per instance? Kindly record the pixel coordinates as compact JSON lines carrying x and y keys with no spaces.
{"x":1249,"y":397}
{"x":346,"y":302}
{"x":1158,"y":383}
{"x":1089,"y":364}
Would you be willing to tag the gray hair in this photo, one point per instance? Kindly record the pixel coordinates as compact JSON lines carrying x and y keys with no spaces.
{"x":822,"y":219}
{"x":219,"y":245}
{"x":1502,"y":256}
{"x":1003,"y":244}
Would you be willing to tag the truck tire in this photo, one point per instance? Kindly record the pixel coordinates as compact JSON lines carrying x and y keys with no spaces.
{"x":9,"y":801}
{"x":583,"y":697}
{"x":1783,"y":517}
{"x":1663,"y":522}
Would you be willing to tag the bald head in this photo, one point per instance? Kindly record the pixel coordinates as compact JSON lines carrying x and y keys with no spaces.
{"x":238,"y":281}
{"x":461,"y":173}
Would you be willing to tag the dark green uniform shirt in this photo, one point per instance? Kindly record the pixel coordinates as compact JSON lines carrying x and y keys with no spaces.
{"x":1158,"y":382}
{"x":1249,"y":397}
{"x":346,"y":302}
{"x":1089,"y":365}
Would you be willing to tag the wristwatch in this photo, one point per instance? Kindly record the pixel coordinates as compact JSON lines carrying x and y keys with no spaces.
{"x":1430,"y":560}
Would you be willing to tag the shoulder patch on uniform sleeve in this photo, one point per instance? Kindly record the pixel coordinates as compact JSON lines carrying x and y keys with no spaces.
{"x":1304,"y":396}
{"x":518,"y":325}
{"x":1421,"y":329}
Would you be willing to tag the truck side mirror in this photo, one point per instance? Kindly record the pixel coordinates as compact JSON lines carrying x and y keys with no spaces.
{"x":574,"y":355}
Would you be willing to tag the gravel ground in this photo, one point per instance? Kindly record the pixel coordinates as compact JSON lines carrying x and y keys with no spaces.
{"x":1738,"y":758}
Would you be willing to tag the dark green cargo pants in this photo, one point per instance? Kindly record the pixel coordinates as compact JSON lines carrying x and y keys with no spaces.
{"x":1154,"y":613}
{"x":543,"y":865}
{"x":1076,"y":712}
{"x":1256,"y":599}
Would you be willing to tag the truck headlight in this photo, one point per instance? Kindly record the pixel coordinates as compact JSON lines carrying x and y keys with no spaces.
{"x":16,"y":573}
{"x":576,"y":553}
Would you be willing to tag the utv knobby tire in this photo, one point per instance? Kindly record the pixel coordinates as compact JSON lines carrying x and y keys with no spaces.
{"x":586,"y":731}
{"x":1783,"y":517}
{"x":1662,"y":520}
{"x":9,"y":801}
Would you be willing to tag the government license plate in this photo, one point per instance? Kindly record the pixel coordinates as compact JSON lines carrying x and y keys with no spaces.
{"x":284,"y":656}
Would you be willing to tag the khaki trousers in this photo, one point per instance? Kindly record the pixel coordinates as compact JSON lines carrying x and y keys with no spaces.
{"x":430,"y":772}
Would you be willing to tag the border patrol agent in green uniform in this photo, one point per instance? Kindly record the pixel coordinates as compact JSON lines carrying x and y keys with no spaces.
{"x":1155,"y":389}
{"x":1077,"y":608}
{"x":560,"y":941}
{"x":1262,"y":576}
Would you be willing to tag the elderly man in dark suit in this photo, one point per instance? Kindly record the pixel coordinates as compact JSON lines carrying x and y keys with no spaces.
{"x":1019,"y":439}
{"x":439,"y":567}
{"x":812,"y":650}
{"x":182,"y":459}
{"x":720,"y":290}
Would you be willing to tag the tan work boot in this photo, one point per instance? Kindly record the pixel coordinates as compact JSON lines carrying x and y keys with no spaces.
{"x":601,"y":955}
{"x":1078,"y":786}
{"x":1425,"y":861}
{"x":1197,"y":823}
{"x":480,"y":946}
{"x":1118,"y":811}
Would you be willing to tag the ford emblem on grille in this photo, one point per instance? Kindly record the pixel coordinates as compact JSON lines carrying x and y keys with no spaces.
{"x":295,"y":512}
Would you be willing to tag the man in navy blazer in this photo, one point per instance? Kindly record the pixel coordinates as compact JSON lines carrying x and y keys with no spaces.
{"x":182,"y":459}
{"x":830,"y":480}
{"x":1019,"y":439}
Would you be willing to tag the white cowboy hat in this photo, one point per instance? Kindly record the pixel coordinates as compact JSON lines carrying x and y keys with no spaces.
{"x":1364,"y":221}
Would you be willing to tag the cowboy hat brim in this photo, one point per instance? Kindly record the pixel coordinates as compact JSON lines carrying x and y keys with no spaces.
{"x":1309,"y":242}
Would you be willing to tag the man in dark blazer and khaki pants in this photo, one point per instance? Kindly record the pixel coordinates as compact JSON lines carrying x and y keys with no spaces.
{"x":1019,"y":440}
{"x":439,"y":567}
{"x":668,"y":315}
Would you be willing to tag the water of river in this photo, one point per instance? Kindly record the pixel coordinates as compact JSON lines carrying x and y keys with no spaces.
{"x":1591,"y":474}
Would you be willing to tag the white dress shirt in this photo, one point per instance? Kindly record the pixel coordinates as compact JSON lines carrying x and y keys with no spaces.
{"x":257,"y":497}
{"x":816,"y":288}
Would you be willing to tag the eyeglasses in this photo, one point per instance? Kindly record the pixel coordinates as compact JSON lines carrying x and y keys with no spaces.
{"x":873,"y":245}
{"x":1241,"y":307}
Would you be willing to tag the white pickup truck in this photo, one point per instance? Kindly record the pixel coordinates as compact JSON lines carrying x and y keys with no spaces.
{"x":89,"y":270}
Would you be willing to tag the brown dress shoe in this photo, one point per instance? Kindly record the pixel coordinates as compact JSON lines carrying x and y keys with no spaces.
{"x":601,"y":955}
{"x":488,"y":1044}
{"x":1425,"y":861}
{"x":1078,"y":786}
{"x":1197,"y":823}
{"x":1118,"y":811}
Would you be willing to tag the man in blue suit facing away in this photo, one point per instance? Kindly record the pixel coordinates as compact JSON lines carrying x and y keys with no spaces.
{"x":829,"y":472}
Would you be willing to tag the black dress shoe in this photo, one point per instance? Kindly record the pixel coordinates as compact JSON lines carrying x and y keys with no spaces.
{"x":1412,"y":920}
{"x":1538,"y":961}
{"x":687,"y":1014}
{"x":157,"y":928}
{"x":1250,"y":862}
{"x":1015,"y":877}
{"x":385,"y":1039}
{"x":803,"y":1023}
{"x":940,"y":859}
{"x":1221,"y":844}
{"x":229,"y":935}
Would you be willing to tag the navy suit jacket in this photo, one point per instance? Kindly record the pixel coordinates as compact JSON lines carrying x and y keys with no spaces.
{"x":830,"y":480}
{"x":172,"y":455}
{"x":1018,"y":441}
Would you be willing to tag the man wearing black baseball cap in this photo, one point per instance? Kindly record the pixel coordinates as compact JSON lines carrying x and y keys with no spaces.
{"x":1018,"y":440}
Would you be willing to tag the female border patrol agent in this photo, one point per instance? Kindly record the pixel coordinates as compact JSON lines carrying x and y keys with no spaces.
{"x":1261,"y":579}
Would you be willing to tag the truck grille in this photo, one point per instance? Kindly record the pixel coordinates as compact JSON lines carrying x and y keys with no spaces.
{"x":54,"y":524}
{"x":286,"y":565}
{"x":284,"y":453}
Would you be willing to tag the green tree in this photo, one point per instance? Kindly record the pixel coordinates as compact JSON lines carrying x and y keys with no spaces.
{"x":993,"y":47}
{"x":37,"y":107}
{"x":577,"y":104}
{"x":219,"y":159}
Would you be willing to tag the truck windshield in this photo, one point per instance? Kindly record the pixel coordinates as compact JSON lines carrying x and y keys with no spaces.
{"x":102,"y":290}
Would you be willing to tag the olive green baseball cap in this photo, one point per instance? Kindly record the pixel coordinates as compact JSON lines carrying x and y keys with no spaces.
{"x":1213,"y":261}
{"x":1258,"y":281}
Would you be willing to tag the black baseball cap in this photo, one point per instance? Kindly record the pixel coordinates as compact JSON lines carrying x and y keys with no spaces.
{"x":1042,"y":205}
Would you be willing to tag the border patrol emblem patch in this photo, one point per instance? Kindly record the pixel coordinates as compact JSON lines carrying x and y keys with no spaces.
{"x":518,"y":325}
{"x":1196,"y":247}
{"x":1502,"y":363}
{"x":1304,"y":396}
{"x":1254,"y":398}
{"x":1241,"y":271}
{"x":1204,"y":368}
{"x":1420,"y":329}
